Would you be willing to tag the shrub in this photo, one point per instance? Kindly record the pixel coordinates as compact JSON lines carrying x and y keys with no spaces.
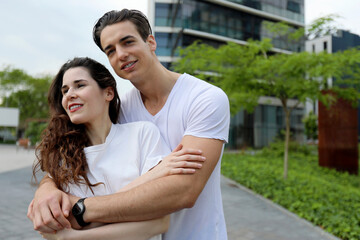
{"x":328,"y":198}
{"x":311,"y":128}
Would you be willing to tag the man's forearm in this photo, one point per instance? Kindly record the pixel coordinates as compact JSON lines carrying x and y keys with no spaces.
{"x":148,"y":201}
{"x":159,"y":197}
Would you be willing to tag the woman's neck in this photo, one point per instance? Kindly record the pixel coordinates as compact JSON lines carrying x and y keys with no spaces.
{"x":97,"y":133}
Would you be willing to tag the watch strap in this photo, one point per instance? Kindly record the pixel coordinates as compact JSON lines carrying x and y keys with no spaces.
{"x":79,"y":215}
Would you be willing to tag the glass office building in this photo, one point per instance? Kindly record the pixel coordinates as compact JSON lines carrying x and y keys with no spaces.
{"x":179,"y":23}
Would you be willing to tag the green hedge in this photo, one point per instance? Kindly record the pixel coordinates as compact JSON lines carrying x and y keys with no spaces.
{"x":327,"y":198}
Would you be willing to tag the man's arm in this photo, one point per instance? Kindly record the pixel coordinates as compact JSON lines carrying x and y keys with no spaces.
{"x":51,"y":206}
{"x":158,"y":197}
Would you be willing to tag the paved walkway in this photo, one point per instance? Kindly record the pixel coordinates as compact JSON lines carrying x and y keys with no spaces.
{"x":248,"y":216}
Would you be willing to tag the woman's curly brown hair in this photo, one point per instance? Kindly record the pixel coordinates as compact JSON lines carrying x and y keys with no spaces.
{"x":61,"y":151}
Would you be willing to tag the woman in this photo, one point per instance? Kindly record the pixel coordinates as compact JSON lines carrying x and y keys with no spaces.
{"x":87,"y":153}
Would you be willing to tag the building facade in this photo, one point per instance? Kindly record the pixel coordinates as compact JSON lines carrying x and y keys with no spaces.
{"x":179,"y":23}
{"x":339,"y":41}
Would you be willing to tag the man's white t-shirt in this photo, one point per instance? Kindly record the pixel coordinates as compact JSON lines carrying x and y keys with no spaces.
{"x":129,"y":151}
{"x":199,"y":109}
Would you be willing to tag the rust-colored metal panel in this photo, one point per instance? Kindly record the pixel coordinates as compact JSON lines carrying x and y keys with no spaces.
{"x":338,"y":137}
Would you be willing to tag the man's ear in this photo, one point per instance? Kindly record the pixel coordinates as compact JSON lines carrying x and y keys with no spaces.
{"x":151,"y":42}
{"x":109,"y":94}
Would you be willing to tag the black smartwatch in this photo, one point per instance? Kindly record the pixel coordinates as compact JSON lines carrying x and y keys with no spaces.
{"x":78,"y":211}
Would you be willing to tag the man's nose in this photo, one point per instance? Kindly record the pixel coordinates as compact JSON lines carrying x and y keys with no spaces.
{"x":121,"y":53}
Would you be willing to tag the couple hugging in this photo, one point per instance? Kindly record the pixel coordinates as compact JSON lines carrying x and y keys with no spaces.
{"x":143,"y":166}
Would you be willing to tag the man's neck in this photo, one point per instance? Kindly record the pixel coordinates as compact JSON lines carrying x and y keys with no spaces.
{"x":156,"y":89}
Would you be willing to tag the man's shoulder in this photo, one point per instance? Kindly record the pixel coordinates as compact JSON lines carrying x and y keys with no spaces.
{"x":200,"y":90}
{"x":198,"y":84}
{"x":129,"y":95}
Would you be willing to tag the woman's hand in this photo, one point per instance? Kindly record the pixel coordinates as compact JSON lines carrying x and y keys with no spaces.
{"x":180,"y":161}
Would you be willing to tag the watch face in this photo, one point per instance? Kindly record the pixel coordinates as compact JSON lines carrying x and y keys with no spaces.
{"x":77,"y":209}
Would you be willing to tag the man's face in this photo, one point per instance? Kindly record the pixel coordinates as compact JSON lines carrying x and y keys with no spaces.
{"x":128,"y":54}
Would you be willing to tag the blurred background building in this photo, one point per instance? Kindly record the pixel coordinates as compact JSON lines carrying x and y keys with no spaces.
{"x":9,"y":123}
{"x":215,"y":22}
{"x":339,"y":41}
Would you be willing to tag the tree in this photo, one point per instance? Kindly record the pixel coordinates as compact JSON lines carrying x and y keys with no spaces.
{"x":29,"y":94}
{"x":247,"y":72}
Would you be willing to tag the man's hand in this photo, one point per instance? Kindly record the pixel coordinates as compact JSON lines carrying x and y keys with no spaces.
{"x":74,"y":224}
{"x":49,"y":208}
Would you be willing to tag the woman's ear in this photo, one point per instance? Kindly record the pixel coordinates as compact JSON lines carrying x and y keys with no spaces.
{"x":109,"y":94}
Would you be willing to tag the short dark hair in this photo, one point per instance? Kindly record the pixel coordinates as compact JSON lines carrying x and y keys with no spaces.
{"x":136,"y":17}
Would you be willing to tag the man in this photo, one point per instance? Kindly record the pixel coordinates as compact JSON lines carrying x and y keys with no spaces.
{"x":185,"y":109}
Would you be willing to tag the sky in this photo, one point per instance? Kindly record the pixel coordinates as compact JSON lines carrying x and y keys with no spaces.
{"x":349,"y":17}
{"x":38,"y":36}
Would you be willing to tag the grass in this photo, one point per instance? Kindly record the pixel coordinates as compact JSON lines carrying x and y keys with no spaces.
{"x":325,"y":197}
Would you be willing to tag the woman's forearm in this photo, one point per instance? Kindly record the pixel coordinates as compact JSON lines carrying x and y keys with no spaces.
{"x":128,"y":230}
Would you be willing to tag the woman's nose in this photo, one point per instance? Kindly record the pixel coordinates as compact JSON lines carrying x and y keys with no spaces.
{"x":71,"y":94}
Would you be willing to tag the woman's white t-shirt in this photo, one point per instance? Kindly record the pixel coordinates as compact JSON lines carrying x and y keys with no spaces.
{"x":129,"y":151}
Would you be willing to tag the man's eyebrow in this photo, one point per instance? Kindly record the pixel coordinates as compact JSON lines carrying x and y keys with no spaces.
{"x":121,"y":40}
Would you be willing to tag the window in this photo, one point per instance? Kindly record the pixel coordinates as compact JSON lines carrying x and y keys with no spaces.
{"x":293,"y":6}
{"x":325,"y":45}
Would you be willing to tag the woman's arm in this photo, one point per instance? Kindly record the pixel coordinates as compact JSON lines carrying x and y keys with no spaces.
{"x":126,"y":231}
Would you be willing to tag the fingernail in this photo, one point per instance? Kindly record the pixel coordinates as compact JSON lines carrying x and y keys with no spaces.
{"x":66,"y":213}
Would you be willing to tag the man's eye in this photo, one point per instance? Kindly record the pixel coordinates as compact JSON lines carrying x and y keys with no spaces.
{"x":64,"y":91}
{"x":81,"y":85}
{"x":108,"y":53}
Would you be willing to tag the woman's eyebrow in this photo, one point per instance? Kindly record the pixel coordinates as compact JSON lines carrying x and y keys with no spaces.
{"x":76,"y":81}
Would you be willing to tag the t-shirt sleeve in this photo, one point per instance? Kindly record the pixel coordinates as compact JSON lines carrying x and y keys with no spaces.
{"x":209,"y":115}
{"x":153,"y":147}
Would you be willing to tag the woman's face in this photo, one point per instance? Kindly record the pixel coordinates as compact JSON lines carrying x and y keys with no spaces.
{"x":83,"y":100}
